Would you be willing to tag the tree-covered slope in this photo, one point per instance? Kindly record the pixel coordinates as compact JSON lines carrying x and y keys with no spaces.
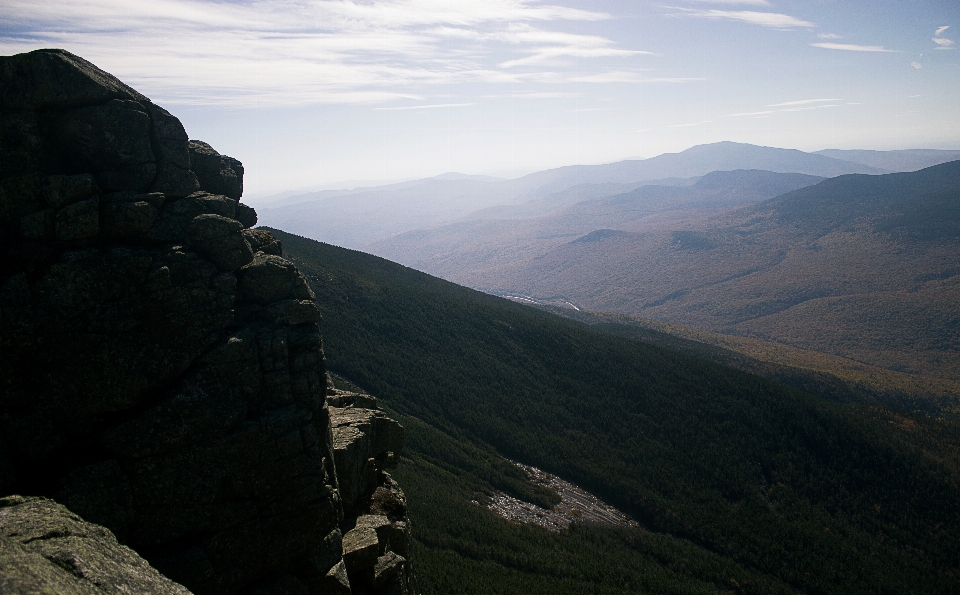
{"x":806,"y":493}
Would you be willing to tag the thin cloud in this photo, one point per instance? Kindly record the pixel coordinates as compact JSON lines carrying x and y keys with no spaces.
{"x":691,"y":124}
{"x":786,"y":109}
{"x":851,"y":47}
{"x":916,"y":65}
{"x":301,"y":52}
{"x":828,"y":36}
{"x":750,"y":2}
{"x":772,"y":111}
{"x":802,"y":102}
{"x":551,"y":45}
{"x":804,"y":109}
{"x":432,"y":106}
{"x":943,"y":43}
{"x":940,"y":30}
{"x":773,"y":20}
{"x":532,"y":95}
{"x":546,"y":54}
{"x":627,"y":77}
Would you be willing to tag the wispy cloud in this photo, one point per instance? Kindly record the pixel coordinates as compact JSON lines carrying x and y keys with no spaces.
{"x":774,"y":20}
{"x":803,"y":102}
{"x":532,"y":95}
{"x":742,"y":114}
{"x":828,"y":36}
{"x":916,"y":65}
{"x":297,"y":52}
{"x":691,"y":124}
{"x":851,"y":47}
{"x":942,"y":42}
{"x":750,"y":2}
{"x":432,"y":106}
{"x":787,"y":109}
{"x":564,"y":45}
{"x":627,"y":77}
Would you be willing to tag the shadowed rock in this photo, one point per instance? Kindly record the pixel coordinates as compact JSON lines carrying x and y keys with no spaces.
{"x":161,"y":366}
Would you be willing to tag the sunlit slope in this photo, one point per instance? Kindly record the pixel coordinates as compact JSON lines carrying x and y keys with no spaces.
{"x":812,"y":494}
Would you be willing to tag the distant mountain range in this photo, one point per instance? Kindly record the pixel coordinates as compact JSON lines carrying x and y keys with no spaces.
{"x":359,"y":217}
{"x":474,"y":251}
{"x":861,"y":266}
{"x":894,"y":161}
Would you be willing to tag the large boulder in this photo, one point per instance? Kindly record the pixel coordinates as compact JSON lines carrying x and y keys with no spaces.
{"x":216,"y":173}
{"x":60,"y":114}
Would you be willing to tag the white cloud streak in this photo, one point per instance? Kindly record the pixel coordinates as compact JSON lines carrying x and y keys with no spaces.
{"x":300,"y":52}
{"x":851,"y":47}
{"x":940,"y":30}
{"x":787,"y":109}
{"x":749,"y":2}
{"x":432,"y":106}
{"x":803,"y":102}
{"x":828,"y":36}
{"x":773,"y":20}
{"x":627,"y":77}
{"x":943,"y":43}
{"x":691,"y":124}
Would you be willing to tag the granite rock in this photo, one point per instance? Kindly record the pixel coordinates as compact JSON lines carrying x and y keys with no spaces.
{"x":161,"y":365}
{"x":44,"y":548}
{"x":216,"y":173}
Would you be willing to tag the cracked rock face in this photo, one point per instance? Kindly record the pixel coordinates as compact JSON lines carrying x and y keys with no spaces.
{"x":161,"y":366}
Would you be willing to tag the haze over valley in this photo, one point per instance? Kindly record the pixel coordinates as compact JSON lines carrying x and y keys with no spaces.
{"x":485,"y":297}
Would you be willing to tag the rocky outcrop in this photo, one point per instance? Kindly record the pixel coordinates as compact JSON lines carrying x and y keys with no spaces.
{"x":44,"y":548}
{"x":376,"y":530}
{"x":161,"y":362}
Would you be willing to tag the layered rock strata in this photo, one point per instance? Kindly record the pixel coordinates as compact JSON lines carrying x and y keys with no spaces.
{"x":161,"y":364}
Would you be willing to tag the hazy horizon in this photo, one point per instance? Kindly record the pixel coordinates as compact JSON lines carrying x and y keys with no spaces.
{"x":318,"y":93}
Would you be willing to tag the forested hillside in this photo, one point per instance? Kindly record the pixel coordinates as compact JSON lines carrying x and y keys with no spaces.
{"x":858,"y":266}
{"x":792,"y":492}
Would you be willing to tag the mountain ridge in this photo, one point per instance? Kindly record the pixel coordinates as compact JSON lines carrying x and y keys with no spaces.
{"x":357,"y":218}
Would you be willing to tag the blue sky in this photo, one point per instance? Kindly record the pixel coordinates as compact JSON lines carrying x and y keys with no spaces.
{"x":311,"y":92}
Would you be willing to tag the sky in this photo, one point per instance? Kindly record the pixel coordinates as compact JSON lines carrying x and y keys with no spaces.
{"x":326,"y":93}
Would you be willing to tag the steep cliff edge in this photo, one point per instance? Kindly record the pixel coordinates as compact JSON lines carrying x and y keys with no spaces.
{"x":161,"y":362}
